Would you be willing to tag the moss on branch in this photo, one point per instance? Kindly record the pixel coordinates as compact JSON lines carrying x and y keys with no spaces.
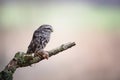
{"x":22,"y":59}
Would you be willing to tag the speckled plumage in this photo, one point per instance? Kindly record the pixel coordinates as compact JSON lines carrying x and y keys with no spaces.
{"x":40,"y":39}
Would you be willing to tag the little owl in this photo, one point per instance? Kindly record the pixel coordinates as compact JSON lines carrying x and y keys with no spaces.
{"x":39,"y":40}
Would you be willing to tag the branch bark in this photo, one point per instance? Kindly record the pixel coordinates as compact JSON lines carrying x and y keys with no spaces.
{"x":22,"y":59}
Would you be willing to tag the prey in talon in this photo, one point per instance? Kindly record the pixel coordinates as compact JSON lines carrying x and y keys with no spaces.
{"x":40,"y":38}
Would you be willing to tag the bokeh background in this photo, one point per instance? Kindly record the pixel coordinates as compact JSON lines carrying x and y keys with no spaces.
{"x":93,"y":24}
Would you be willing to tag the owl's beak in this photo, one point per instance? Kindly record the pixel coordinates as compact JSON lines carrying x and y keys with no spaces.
{"x":52,"y":30}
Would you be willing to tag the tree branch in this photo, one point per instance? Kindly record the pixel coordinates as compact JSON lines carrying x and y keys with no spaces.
{"x":22,"y":59}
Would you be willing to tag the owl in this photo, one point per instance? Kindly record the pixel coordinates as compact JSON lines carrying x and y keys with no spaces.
{"x":40,"y":38}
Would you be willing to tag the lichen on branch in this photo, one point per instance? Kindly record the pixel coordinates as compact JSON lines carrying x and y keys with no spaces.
{"x":22,"y":59}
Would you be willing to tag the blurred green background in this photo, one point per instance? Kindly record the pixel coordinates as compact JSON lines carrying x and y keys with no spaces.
{"x":70,"y":13}
{"x":94,"y":26}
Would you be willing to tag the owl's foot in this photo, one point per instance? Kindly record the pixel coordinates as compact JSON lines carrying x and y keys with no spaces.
{"x":42,"y":53}
{"x":46,"y":55}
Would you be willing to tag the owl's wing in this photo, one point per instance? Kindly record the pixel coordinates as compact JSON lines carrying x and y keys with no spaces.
{"x":35,"y":42}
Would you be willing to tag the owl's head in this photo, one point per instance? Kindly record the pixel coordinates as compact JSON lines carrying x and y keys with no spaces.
{"x":46,"y":28}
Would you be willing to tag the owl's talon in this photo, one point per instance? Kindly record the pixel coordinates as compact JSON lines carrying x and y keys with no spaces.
{"x":43,"y":54}
{"x":46,"y":55}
